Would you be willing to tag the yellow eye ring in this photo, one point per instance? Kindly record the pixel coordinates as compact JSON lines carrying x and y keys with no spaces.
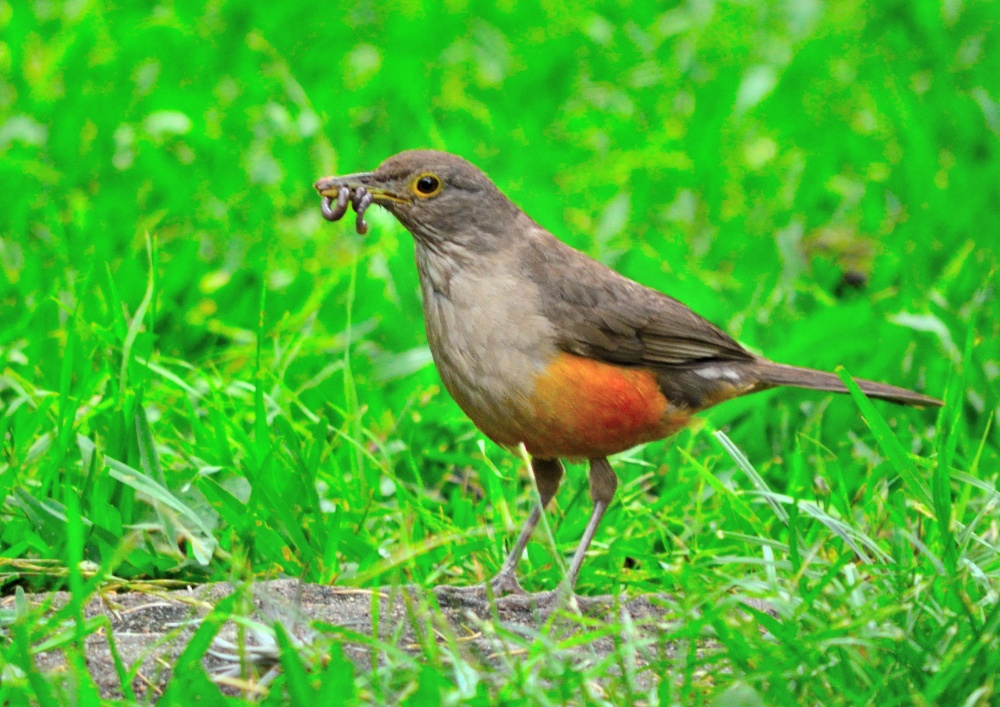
{"x":427,"y":185}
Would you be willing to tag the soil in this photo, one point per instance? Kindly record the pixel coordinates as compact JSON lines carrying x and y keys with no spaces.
{"x":152,"y":626}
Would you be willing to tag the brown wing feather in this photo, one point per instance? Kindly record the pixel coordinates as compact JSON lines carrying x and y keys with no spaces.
{"x":603,"y":315}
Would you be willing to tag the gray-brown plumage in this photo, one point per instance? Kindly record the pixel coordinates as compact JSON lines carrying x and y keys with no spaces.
{"x":543,"y":346}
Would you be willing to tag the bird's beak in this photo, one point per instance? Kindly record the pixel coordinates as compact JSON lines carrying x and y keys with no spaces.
{"x":382,"y":194}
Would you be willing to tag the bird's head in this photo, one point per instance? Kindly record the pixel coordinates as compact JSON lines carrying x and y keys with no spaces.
{"x":437,"y":196}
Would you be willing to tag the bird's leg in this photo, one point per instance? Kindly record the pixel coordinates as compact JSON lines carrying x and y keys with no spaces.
{"x":603,"y":484}
{"x":548,"y":474}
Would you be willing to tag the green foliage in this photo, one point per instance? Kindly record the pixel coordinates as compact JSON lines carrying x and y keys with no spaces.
{"x":200,"y":379}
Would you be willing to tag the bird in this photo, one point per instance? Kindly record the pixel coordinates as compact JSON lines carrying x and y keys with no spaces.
{"x":543,"y":346}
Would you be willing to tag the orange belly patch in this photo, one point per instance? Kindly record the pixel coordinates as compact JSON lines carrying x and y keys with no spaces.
{"x":583,"y":408}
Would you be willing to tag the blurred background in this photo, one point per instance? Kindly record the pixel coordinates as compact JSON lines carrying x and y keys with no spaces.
{"x":822,"y":179}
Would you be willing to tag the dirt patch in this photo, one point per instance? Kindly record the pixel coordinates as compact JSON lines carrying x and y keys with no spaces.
{"x":151,"y":628}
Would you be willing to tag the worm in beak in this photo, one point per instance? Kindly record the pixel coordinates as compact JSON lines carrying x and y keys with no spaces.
{"x":359,"y":198}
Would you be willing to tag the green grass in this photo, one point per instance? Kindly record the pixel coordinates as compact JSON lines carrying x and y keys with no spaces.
{"x":202,"y":380}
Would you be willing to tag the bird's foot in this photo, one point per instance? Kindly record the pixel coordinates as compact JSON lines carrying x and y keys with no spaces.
{"x":510,"y":599}
{"x":505,"y":584}
{"x":560,"y":599}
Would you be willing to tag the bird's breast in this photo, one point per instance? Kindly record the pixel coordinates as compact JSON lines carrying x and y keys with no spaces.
{"x":487,"y":338}
{"x":498,"y":357}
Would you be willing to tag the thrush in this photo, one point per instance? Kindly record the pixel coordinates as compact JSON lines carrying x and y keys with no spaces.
{"x":541,"y":345}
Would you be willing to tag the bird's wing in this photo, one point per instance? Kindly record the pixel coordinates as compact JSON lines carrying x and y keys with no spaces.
{"x":602,"y":315}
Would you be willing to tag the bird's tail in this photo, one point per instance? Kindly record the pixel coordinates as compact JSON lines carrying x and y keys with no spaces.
{"x":773,"y":374}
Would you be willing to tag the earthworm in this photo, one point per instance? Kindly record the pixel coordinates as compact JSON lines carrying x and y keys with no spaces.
{"x":335,"y":213}
{"x":359,"y":198}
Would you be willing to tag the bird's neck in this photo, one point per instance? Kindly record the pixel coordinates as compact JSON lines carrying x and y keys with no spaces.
{"x":437,"y":264}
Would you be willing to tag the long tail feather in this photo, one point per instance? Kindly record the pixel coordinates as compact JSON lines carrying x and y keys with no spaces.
{"x":772,"y":374}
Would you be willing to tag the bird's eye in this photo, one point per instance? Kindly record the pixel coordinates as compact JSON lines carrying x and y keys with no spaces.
{"x":427,"y":185}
